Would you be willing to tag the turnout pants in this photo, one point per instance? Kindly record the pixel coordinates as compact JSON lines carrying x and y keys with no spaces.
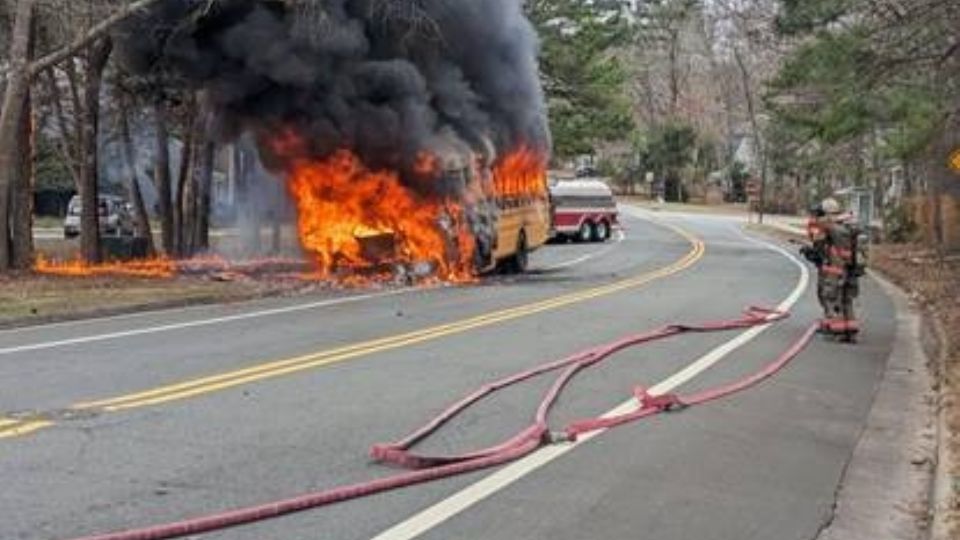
{"x":836,"y":295}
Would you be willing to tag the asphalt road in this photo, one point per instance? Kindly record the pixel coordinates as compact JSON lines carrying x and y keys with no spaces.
{"x":136,"y":420}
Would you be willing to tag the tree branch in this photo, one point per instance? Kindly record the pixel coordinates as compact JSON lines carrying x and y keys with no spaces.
{"x":88,"y":37}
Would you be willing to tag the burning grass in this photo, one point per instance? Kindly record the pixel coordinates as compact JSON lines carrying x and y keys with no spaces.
{"x":159,"y":267}
{"x":166,"y":268}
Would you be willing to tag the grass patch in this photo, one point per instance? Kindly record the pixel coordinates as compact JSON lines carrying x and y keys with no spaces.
{"x":29,"y":298}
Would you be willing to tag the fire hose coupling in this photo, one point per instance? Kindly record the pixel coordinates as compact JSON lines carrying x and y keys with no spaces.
{"x":665,"y":402}
{"x":387,"y":453}
{"x":559,"y":437}
{"x":762,"y":313}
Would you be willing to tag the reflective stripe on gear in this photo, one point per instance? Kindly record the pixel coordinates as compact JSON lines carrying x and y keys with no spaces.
{"x":832,"y":270}
{"x":840,"y":325}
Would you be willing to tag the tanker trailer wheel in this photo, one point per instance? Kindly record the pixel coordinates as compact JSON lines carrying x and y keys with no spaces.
{"x":585,"y":234}
{"x":601,"y":233}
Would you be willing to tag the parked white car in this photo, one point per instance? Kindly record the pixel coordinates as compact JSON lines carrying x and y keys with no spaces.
{"x":116,"y":218}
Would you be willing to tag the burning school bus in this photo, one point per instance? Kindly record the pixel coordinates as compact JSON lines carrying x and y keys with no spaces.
{"x":405,"y":154}
{"x":471,"y":214}
{"x":356,"y":224}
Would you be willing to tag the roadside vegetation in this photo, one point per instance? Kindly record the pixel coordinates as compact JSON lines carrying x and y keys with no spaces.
{"x":32,"y":299}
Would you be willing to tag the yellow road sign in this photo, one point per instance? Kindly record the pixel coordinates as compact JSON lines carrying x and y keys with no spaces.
{"x":954,"y":161}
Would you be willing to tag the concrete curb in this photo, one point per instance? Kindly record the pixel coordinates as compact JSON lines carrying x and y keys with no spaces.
{"x":885,"y":491}
{"x":944,"y":484}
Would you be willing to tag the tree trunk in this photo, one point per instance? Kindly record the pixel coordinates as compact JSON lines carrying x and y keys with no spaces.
{"x":180,"y":209}
{"x":248,"y":211}
{"x":86,"y":39}
{"x":96,"y":62}
{"x":936,"y":195}
{"x":276,"y":232}
{"x":136,"y":195}
{"x":942,"y":178}
{"x":14,"y":104}
{"x":162,"y":178}
{"x":674,"y":59}
{"x":21,"y":199}
{"x":68,"y":138}
{"x":940,"y":175}
{"x":204,"y":187}
{"x":22,"y":194}
{"x":755,"y":127}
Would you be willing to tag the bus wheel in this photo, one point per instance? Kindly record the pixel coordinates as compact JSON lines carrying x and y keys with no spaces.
{"x":521,"y":259}
{"x":585,"y":234}
{"x":601,"y":233}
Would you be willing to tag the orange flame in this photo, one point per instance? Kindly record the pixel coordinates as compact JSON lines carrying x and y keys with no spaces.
{"x":521,"y":174}
{"x":351,"y":217}
{"x":160,"y":267}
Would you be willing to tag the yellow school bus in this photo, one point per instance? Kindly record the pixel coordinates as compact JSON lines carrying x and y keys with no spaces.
{"x":513,"y":213}
{"x":523,"y":225}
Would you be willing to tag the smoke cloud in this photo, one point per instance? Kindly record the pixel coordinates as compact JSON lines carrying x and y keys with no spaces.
{"x":384,"y":78}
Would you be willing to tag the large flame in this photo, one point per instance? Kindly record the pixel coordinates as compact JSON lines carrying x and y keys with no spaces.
{"x":521,"y":174}
{"x":351,"y":217}
{"x":355,"y":223}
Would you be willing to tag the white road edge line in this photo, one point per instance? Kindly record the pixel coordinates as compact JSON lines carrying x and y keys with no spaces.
{"x":201,"y":322}
{"x":621,"y":236}
{"x":464,"y":499}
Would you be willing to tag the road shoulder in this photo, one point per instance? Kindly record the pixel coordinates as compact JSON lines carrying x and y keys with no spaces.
{"x":885,"y":491}
{"x":934,"y":509}
{"x":896,"y":484}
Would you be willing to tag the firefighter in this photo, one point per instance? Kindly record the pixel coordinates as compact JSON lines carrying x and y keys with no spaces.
{"x":838,"y":249}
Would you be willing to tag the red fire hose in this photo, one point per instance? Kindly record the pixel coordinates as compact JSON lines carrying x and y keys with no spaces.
{"x":423,"y":468}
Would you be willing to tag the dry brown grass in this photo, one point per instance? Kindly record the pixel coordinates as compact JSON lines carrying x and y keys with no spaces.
{"x":29,"y":298}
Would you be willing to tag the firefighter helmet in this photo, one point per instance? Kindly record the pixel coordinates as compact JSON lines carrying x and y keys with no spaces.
{"x":830,"y":206}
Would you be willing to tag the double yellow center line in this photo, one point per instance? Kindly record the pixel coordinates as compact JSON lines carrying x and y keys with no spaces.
{"x":231,"y":379}
{"x":13,"y":427}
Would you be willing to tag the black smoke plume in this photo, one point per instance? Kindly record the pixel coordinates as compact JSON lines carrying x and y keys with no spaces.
{"x":383,"y":78}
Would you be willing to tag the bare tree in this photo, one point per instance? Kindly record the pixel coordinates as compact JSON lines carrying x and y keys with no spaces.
{"x":162,"y":175}
{"x":95,"y":61}
{"x":756,"y":51}
{"x":21,"y":73}
{"x":130,"y":165}
{"x":14,"y":104}
{"x":748,"y":93}
{"x":22,"y":189}
{"x":181,"y":209}
{"x":204,"y":186}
